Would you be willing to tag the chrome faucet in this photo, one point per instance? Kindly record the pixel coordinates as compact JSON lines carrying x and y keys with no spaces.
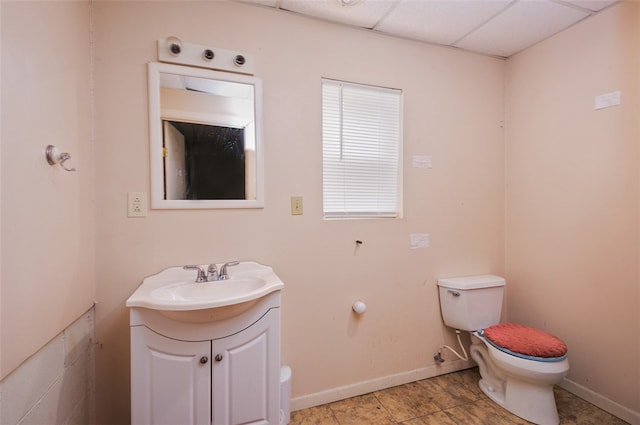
{"x":224,"y":274}
{"x":212,"y":273}
{"x":202,"y":277}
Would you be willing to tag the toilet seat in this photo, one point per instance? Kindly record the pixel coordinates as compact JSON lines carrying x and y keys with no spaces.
{"x":525,"y":342}
{"x":523,"y":366}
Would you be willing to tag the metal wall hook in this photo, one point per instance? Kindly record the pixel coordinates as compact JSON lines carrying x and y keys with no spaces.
{"x":54,"y":156}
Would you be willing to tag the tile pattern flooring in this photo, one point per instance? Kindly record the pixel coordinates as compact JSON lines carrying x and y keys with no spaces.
{"x":452,"y":399}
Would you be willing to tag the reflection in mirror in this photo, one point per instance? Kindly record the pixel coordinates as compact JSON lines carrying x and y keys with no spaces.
{"x":205,"y":146}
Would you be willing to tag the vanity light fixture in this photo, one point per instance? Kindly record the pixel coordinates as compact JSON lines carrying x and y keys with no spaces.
{"x":172,"y":50}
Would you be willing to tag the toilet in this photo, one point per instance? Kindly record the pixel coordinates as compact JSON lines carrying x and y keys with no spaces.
{"x":519,"y":365}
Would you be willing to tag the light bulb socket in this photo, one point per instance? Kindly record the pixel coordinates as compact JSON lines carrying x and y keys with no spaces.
{"x":208,"y":54}
{"x":174,"y":46}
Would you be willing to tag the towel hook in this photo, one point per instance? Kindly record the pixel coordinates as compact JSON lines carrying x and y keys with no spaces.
{"x":54,"y":156}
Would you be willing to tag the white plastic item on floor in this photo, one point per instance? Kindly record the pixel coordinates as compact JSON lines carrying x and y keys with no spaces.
{"x":285,"y":395}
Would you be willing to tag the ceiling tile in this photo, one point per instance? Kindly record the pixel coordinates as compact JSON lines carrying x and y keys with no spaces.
{"x":362,"y":13}
{"x":439,"y":21}
{"x":521,"y":25}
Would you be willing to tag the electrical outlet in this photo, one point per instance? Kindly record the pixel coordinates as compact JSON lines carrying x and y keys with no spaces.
{"x":296,"y":205}
{"x":136,"y":204}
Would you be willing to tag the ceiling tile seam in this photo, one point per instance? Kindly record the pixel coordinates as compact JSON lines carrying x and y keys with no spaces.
{"x":281,"y":9}
{"x":383,"y":17}
{"x":551,"y":35}
{"x":484,"y":23}
{"x":575,"y":6}
{"x":429,"y":43}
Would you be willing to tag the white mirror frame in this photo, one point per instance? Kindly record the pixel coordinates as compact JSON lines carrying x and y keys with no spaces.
{"x":156,"y":145}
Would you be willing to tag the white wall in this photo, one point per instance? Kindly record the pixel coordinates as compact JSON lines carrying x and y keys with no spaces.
{"x":572,"y":201}
{"x":453,"y":110}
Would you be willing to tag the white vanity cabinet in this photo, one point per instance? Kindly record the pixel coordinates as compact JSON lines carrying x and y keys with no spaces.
{"x":216,"y":366}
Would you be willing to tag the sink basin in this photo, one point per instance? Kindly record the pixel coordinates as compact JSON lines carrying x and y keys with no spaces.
{"x":188,"y":292}
{"x":175,"y":289}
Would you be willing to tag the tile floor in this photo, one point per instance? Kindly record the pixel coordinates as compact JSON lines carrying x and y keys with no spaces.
{"x":452,"y":399}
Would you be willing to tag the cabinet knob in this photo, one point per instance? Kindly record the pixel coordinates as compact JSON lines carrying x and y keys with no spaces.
{"x":218,"y":357}
{"x":204,"y":359}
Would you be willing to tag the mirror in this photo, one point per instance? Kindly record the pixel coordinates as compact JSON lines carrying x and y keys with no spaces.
{"x":205,"y":144}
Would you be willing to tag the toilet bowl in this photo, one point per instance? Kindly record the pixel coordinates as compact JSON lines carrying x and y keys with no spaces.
{"x":523,"y":386}
{"x":519,"y":365}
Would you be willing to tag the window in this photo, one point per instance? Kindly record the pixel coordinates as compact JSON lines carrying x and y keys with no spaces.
{"x":361,"y":146}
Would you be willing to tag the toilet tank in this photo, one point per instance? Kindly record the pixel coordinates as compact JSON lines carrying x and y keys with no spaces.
{"x":471,"y":303}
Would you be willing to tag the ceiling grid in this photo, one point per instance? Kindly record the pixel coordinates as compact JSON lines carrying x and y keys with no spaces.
{"x":492,"y":27}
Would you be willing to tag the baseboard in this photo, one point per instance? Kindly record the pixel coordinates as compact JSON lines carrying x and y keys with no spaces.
{"x":602,"y":402}
{"x":364,"y":387}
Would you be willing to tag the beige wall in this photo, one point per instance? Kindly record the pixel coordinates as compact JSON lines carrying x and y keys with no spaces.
{"x":453,"y":110}
{"x":47,"y":214}
{"x":572,"y":198}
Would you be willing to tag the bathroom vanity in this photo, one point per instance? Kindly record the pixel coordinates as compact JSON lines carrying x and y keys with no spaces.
{"x":216,"y":364}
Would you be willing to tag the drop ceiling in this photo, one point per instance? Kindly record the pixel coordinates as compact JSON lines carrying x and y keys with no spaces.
{"x":492,"y":27}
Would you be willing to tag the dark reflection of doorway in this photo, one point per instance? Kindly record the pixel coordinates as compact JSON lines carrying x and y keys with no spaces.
{"x":215,"y":161}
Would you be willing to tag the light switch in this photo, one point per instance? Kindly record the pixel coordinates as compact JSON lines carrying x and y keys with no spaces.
{"x":296,"y":205}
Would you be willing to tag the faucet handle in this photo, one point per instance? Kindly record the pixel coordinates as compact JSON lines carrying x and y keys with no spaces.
{"x":212,"y":272}
{"x":202,"y":277}
{"x":224,"y":274}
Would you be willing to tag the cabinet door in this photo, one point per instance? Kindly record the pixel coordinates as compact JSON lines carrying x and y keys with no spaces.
{"x":246,"y":375}
{"x":170,"y":380}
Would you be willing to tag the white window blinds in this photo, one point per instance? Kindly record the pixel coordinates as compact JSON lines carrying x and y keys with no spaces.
{"x":361,"y":145}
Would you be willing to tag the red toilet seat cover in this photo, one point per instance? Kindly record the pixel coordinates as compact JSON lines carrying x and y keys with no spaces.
{"x":526,"y":340}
